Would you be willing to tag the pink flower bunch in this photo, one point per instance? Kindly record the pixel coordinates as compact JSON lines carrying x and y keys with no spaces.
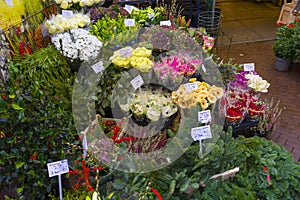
{"x":175,"y":67}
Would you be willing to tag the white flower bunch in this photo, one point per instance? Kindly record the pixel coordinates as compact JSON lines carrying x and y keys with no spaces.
{"x":77,"y":44}
{"x":65,"y":4}
{"x":59,"y":23}
{"x":257,"y":83}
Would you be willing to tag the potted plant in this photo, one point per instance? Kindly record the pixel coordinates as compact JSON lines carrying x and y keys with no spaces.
{"x":296,"y":43}
{"x":283,"y":47}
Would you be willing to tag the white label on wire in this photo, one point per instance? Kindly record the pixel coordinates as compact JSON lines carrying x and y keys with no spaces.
{"x":248,"y":67}
{"x":67,"y":13}
{"x":150,"y":16}
{"x":201,"y":133}
{"x":126,"y":52}
{"x":58,"y":167}
{"x":190,"y":87}
{"x":204,"y":116}
{"x":165,"y":23}
{"x":129,"y":22}
{"x":128,"y":8}
{"x":203,"y":68}
{"x":137,"y":82}
{"x":98,"y":67}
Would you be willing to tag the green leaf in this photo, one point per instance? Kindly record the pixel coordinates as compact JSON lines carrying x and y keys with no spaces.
{"x":184,"y":186}
{"x":12,"y":96}
{"x":20,"y":190}
{"x":19,"y":164}
{"x":17,"y":107}
{"x":87,"y":198}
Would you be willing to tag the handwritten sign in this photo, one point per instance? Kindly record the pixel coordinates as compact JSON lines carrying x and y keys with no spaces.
{"x":67,"y":13}
{"x":201,"y":133}
{"x":137,"y":82}
{"x":98,"y":67}
{"x":129,"y":22}
{"x":129,"y":8}
{"x":126,"y":52}
{"x":204,"y":116}
{"x":190,"y":87}
{"x":150,"y":16}
{"x":248,"y":67}
{"x":165,"y":23}
{"x":58,"y":168}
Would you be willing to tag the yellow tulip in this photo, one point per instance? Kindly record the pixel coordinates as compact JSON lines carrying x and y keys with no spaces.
{"x":64,"y":4}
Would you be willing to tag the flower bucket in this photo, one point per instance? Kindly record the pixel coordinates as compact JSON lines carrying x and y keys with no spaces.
{"x":282,"y":65}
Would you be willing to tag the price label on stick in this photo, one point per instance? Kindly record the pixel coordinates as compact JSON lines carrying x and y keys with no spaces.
{"x":126,"y":52}
{"x":137,"y":82}
{"x":201,"y":133}
{"x":58,"y":167}
{"x":98,"y":67}
{"x":67,"y":13}
{"x":248,"y":67}
{"x":204,"y":116}
{"x":165,"y":23}
{"x":190,"y":87}
{"x":128,"y":8}
{"x":150,"y":16}
{"x":129,"y":22}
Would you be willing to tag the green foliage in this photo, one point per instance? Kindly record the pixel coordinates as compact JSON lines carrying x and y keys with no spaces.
{"x":188,"y":177}
{"x":283,"y":47}
{"x":229,"y":69}
{"x":296,"y":41}
{"x":37,"y":127}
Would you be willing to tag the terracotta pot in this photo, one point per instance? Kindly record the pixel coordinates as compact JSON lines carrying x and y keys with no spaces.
{"x":282,"y":64}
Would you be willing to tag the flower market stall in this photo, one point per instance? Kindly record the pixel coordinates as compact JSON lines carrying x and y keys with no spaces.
{"x":133,"y":103}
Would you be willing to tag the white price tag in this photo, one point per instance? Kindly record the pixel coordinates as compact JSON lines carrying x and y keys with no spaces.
{"x":203,"y":68}
{"x":165,"y":23}
{"x":9,"y":2}
{"x":150,"y":16}
{"x":201,"y":133}
{"x":67,"y":13}
{"x":126,"y":52}
{"x":98,"y":67}
{"x":137,"y":82}
{"x":248,"y":67}
{"x":58,"y":167}
{"x":190,"y":87}
{"x":129,"y":22}
{"x":204,"y":116}
{"x":128,"y":8}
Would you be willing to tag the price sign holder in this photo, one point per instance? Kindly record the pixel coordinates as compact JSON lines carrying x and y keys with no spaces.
{"x":190,"y":87}
{"x":129,"y":22}
{"x":137,"y":82}
{"x":128,"y":8}
{"x":204,"y":116}
{"x":57,"y":169}
{"x":249,"y":67}
{"x":98,"y":67}
{"x":165,"y":23}
{"x":201,"y":133}
{"x":126,"y":52}
{"x":67,"y":13}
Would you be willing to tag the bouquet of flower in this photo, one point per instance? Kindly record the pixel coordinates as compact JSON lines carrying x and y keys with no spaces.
{"x":151,"y":105}
{"x":65,"y":4}
{"x":77,"y":44}
{"x":138,"y":58}
{"x":203,"y":94}
{"x":172,"y":69}
{"x":59,"y":23}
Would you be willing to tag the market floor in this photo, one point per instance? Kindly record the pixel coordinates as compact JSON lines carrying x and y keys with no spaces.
{"x":254,"y":45}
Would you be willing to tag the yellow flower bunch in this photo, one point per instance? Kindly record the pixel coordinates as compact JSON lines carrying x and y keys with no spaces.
{"x":137,"y":58}
{"x":204,"y":94}
{"x":60,"y":23}
{"x":65,"y":4}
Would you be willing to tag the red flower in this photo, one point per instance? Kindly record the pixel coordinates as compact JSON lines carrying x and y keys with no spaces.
{"x":33,"y":156}
{"x":21,"y":48}
{"x":3,"y":96}
{"x":90,"y":188}
{"x":156,"y":193}
{"x":76,"y":186}
{"x":291,"y":25}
